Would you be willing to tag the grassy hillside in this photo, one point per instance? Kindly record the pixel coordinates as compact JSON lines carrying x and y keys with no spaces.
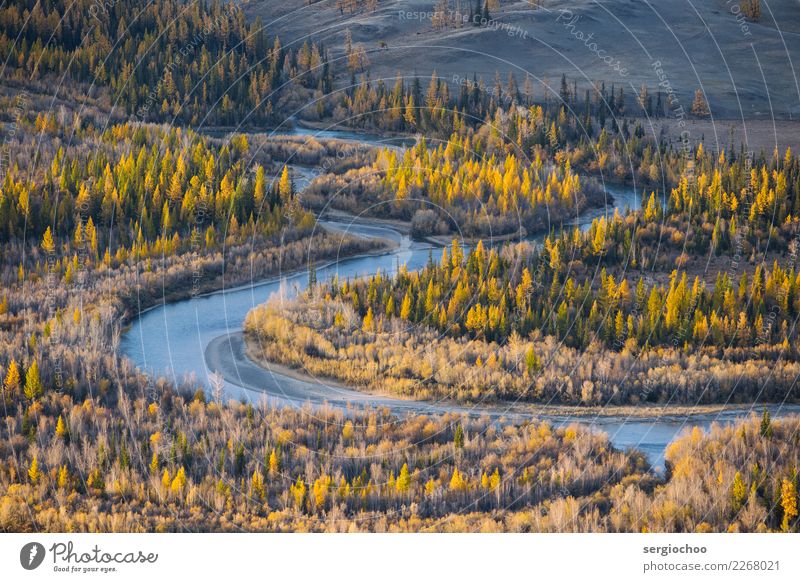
{"x":702,"y":45}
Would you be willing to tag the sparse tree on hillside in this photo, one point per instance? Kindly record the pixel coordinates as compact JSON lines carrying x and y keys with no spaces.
{"x":12,"y":379}
{"x":700,"y":105}
{"x":33,"y":384}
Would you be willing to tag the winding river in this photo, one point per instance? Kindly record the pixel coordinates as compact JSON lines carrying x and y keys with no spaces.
{"x":193,"y":338}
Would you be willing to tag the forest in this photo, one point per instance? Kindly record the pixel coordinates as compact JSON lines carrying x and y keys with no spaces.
{"x":121,"y":461}
{"x":170,"y":60}
{"x":455,"y":188}
{"x":628,"y":293}
{"x":702,"y":276}
{"x":524,"y":167}
{"x":104,"y":214}
{"x":154,"y":186}
{"x":70,"y":286}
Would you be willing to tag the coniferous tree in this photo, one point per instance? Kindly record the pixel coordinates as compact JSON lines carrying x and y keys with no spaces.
{"x":788,"y":504}
{"x":458,"y":439}
{"x":12,"y":379}
{"x":33,"y":384}
{"x":700,"y":105}
{"x":766,"y":424}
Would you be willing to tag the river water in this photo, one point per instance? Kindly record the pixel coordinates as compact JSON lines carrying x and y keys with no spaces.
{"x":172,"y":341}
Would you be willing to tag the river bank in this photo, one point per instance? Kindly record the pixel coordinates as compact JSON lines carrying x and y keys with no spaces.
{"x":233,"y":352}
{"x":184,"y":340}
{"x":212,"y":282}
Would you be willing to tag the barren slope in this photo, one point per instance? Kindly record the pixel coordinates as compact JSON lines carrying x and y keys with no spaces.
{"x":745,"y":68}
